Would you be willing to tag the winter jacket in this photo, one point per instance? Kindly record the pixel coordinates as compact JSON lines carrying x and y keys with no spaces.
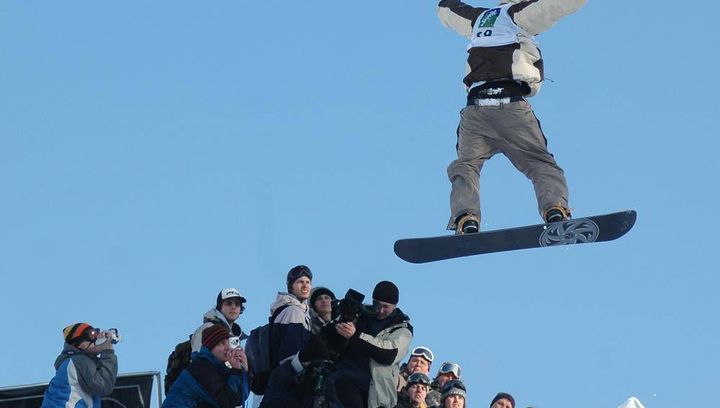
{"x":81,"y":379}
{"x":404,"y":402}
{"x":207,"y":382}
{"x":291,"y":326}
{"x":502,"y":45}
{"x":214,"y":316}
{"x":434,"y":395}
{"x":290,"y":388}
{"x":316,"y":322}
{"x":386,"y":350}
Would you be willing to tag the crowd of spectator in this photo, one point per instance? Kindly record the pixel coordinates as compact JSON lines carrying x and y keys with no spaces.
{"x":327,"y":352}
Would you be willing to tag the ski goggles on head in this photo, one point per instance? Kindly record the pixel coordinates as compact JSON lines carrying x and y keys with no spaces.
{"x":418,"y":378}
{"x":79,"y":332}
{"x":454,"y":384}
{"x":90,"y":334}
{"x":450,"y":368}
{"x":298,"y":272}
{"x":423,"y":352}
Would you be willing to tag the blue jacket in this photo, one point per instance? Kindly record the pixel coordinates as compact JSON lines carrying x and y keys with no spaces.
{"x":81,"y":379}
{"x":291,"y":326}
{"x":207,"y":382}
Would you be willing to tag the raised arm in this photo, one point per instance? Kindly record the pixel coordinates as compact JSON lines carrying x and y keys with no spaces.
{"x":459,"y":16}
{"x":536,"y":16}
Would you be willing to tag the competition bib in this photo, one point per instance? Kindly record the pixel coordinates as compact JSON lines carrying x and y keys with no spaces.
{"x":494,"y":28}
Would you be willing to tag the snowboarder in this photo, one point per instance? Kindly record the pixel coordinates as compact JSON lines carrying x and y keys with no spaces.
{"x":505,"y":66}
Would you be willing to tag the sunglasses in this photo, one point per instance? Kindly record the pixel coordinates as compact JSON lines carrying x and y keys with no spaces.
{"x":90,"y":334}
{"x":418,"y":378}
{"x":423,"y":352}
{"x":448,"y":367}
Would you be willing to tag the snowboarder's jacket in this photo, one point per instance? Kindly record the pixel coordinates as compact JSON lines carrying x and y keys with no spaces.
{"x":384,"y":352}
{"x":214,"y":316}
{"x":81,"y":379}
{"x":502,"y":45}
{"x":290,"y":387}
{"x":291,"y":326}
{"x":207,"y":382}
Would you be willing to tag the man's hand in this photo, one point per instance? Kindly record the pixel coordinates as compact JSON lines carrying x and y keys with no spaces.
{"x":105,"y":346}
{"x":238,"y":359}
{"x":346,"y":330}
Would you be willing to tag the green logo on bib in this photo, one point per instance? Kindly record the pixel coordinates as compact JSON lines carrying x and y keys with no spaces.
{"x":489,"y":18}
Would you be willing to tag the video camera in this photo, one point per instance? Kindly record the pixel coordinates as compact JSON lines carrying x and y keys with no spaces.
{"x":110,"y":335}
{"x":349,"y":308}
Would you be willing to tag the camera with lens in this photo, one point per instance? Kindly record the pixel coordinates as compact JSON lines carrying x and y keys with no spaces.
{"x":349,"y":308}
{"x":110,"y":335}
{"x":234,"y":342}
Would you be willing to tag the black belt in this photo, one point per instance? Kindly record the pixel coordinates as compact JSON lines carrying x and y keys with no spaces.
{"x":491,"y":101}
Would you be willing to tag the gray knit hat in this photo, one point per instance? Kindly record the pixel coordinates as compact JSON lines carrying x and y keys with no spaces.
{"x":454,"y":387}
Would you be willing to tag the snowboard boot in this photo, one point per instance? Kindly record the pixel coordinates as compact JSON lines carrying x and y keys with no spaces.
{"x":467,"y":224}
{"x":557,"y":214}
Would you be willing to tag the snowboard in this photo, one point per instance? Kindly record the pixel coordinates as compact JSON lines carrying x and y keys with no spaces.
{"x":597,"y":228}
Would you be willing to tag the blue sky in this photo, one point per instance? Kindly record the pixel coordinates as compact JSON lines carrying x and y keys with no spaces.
{"x":152,"y":153}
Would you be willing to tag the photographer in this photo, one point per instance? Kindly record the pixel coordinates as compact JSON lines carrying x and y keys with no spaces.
{"x":207,"y":381}
{"x":85,"y":372}
{"x":303,"y":381}
{"x":367,"y":370}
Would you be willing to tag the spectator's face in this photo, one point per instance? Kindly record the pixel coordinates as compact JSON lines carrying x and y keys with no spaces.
{"x":301,"y":288}
{"x":443,"y":378}
{"x":221,"y":349}
{"x":323,"y":304}
{"x":231,"y":309}
{"x":417,"y":393}
{"x":383,"y":309}
{"x":456,"y":401}
{"x":417,"y":364}
{"x":502,"y":403}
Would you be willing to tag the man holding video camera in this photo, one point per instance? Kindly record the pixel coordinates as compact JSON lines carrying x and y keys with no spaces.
{"x":208,"y":381}
{"x":367,"y":369}
{"x":86,"y":368}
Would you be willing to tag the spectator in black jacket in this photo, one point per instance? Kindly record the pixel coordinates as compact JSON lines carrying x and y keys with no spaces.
{"x":368,"y":370}
{"x":303,"y":381}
